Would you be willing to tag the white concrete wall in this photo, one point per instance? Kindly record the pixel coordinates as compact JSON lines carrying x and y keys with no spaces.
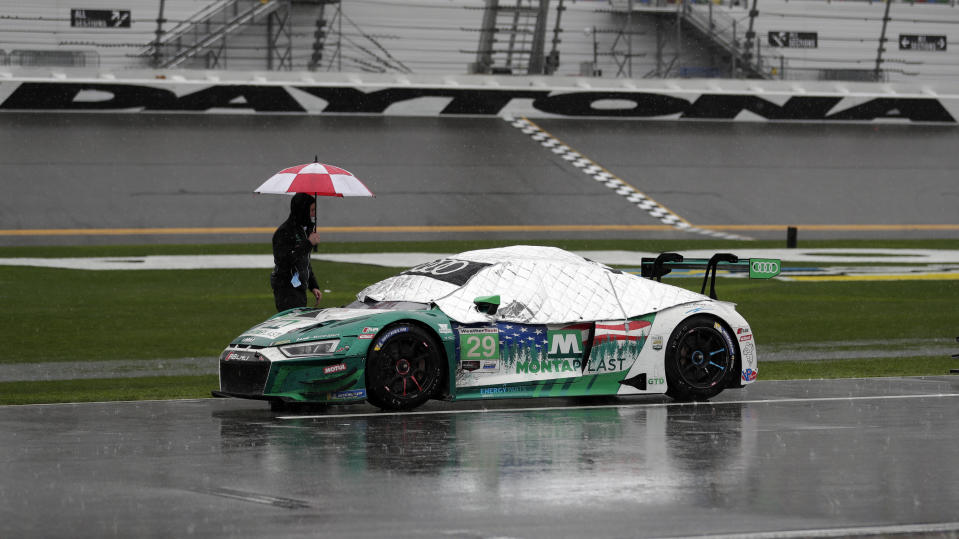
{"x":441,"y":36}
{"x":849,"y":34}
{"x":45,"y":25}
{"x":425,"y":36}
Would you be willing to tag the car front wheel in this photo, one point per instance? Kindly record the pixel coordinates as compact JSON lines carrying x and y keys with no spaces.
{"x":699,"y":357}
{"x":404,"y":368}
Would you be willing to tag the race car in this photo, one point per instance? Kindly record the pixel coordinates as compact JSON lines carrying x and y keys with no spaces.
{"x":519,"y":321}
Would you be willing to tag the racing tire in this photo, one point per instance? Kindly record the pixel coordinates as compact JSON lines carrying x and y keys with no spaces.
{"x":700,"y":357}
{"x":404,"y":368}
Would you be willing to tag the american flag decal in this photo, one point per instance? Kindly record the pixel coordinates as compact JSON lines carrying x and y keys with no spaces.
{"x":606,"y":331}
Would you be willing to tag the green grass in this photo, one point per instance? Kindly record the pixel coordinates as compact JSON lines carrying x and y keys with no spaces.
{"x":856,"y":368}
{"x":108,"y":389}
{"x":792,"y":312}
{"x":75,"y":315}
{"x":102,"y":315}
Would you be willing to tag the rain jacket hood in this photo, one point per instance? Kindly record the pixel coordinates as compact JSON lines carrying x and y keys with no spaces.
{"x":300,"y":209}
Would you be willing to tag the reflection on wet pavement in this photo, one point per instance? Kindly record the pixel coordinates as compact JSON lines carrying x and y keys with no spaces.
{"x":781,"y":457}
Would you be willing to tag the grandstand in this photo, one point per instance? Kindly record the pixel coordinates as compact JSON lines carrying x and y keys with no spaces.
{"x":770,"y":39}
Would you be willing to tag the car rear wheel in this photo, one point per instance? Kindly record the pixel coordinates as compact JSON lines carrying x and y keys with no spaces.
{"x":699,"y":358}
{"x":404,"y":368}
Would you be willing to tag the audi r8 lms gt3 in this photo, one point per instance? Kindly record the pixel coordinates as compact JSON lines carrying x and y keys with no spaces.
{"x":518,"y":321}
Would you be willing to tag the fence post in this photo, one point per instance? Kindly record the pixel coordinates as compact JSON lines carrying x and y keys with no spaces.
{"x":955,"y":356}
{"x":791,"y":236}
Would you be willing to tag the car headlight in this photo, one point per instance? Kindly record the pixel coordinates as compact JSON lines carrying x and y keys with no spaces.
{"x":310,"y":349}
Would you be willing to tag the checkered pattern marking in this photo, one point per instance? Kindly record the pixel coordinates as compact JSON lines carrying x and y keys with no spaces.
{"x":598,"y":173}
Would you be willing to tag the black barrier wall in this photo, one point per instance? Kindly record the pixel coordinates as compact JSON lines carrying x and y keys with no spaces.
{"x":459,"y":101}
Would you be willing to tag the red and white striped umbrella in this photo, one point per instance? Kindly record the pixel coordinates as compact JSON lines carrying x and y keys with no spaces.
{"x":315,"y":179}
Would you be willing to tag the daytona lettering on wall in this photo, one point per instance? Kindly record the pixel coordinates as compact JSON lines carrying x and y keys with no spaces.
{"x":245,"y":98}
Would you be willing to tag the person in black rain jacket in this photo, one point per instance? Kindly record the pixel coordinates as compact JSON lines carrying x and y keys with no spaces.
{"x":292,"y":273}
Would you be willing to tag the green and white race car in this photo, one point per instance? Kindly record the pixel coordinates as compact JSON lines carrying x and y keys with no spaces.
{"x":520,"y":321}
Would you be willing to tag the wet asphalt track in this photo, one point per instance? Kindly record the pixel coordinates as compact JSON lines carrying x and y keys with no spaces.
{"x":824,"y":458}
{"x":793,"y":459}
{"x":110,"y":171}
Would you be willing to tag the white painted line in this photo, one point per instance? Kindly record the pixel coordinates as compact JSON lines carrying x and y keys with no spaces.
{"x":596,"y":171}
{"x":407,"y":260}
{"x":878,"y":531}
{"x":633,"y":405}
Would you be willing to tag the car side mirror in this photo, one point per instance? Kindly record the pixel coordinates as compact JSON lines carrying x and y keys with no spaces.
{"x":487,"y":304}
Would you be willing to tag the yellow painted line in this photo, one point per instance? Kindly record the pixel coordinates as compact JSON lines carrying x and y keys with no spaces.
{"x":833,"y":227}
{"x":328,"y":229}
{"x":451,"y":228}
{"x":891,"y":277}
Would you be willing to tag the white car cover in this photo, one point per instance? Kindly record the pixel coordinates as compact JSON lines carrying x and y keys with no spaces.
{"x":536,"y":285}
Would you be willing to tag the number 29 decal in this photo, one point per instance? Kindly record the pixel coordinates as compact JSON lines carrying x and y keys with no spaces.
{"x":479,"y":343}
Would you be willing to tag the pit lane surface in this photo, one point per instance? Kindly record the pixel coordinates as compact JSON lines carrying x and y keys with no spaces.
{"x":785,"y":459}
{"x":125,"y":178}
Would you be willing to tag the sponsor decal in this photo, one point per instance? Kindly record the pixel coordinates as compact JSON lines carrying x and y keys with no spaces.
{"x":272,"y":329}
{"x":763,"y":268}
{"x":342,"y":349}
{"x":370,"y":330}
{"x":490,"y":391}
{"x":470,"y":365}
{"x":749,"y":360}
{"x":351,"y":394}
{"x":480,"y":366}
{"x":616,"y":345}
{"x":609,"y":365}
{"x":448,"y":270}
{"x":535,"y":366}
{"x":479,"y":343}
{"x":386,"y":336}
{"x":729,"y":341}
{"x":744,"y":338}
{"x":633,"y":331}
{"x":334,"y":368}
{"x":565,"y":343}
{"x":749,"y":375}
{"x":657,"y":342}
{"x":68,"y":96}
{"x":318,"y":337}
{"x":443,"y":328}
{"x":242,"y":355}
{"x":248,"y":339}
{"x":366,"y":336}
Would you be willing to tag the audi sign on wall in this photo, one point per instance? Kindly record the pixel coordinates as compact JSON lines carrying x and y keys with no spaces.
{"x":763,"y":268}
{"x":656,"y":104}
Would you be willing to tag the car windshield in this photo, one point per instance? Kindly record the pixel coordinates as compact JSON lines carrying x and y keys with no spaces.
{"x":389,"y":305}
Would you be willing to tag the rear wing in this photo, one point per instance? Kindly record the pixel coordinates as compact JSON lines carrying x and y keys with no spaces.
{"x":758,"y":268}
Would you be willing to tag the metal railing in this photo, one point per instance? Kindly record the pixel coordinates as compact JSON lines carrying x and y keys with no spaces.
{"x":205,"y":32}
{"x":729,"y":33}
